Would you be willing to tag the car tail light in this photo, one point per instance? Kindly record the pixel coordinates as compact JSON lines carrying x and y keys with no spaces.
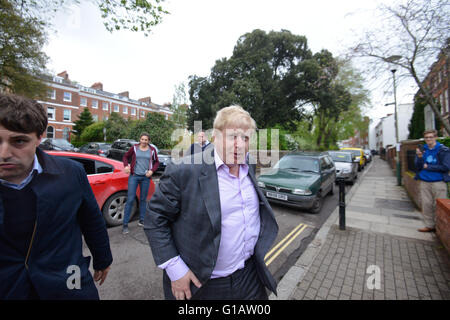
{"x":100,"y":151}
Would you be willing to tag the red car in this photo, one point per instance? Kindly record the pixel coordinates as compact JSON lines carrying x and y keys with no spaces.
{"x":109,"y":183}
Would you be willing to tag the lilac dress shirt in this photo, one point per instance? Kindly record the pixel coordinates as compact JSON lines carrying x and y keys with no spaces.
{"x":240,"y":224}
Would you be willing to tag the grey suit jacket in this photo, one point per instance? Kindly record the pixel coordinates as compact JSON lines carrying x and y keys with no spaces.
{"x":184,"y":218}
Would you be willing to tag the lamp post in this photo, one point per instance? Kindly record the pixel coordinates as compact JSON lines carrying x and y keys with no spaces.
{"x":397,"y":157}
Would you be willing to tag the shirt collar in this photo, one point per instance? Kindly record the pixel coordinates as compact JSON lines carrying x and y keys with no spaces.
{"x":219,"y":163}
{"x":36,"y":168}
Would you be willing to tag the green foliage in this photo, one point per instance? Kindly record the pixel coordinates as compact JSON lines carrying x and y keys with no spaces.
{"x":21,"y":58}
{"x":159,"y":129}
{"x":179,"y":106}
{"x":116,"y":127}
{"x":94,"y":132}
{"x":268,"y":75}
{"x":445,"y":141}
{"x":84,"y":120}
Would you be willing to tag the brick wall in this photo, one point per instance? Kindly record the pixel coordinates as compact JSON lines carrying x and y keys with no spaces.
{"x":443,"y":222}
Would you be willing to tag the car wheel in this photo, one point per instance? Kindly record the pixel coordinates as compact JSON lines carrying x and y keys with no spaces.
{"x":317,"y":204}
{"x":114,"y":209}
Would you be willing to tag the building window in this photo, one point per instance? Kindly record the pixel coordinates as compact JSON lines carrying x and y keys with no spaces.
{"x":68,"y":96}
{"x":66,"y":132}
{"x":116,"y":108}
{"x":142,"y":113}
{"x":95,"y":117}
{"x":105,"y":105}
{"x":67,"y":114}
{"x":83,"y":102}
{"x":105,"y":118}
{"x":125,"y":110}
{"x":51,"y":94}
{"x":94,"y":104}
{"x":133,"y":111}
{"x":51,"y":113}
{"x":50,"y":132}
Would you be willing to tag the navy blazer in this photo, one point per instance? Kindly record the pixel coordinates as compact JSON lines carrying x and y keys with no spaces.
{"x":184,"y":218}
{"x":66,"y":210}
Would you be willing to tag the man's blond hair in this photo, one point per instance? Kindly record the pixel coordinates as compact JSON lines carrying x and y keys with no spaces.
{"x":234,"y":116}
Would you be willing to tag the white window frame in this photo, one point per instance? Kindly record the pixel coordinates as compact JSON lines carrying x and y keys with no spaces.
{"x":51,"y":94}
{"x":52,"y":132}
{"x":53,"y":117}
{"x":64,"y":114}
{"x":125,"y":109}
{"x":70,"y":95}
{"x":95,"y":117}
{"x":105,"y":106}
{"x":133,"y":111}
{"x":81,"y":101}
{"x":116,"y":108}
{"x":142,"y":113}
{"x":94,"y":104}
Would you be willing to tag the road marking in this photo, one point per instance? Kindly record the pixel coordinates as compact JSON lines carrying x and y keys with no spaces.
{"x":295,"y":234}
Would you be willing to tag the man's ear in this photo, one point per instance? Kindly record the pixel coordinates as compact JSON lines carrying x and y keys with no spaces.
{"x":40,"y":139}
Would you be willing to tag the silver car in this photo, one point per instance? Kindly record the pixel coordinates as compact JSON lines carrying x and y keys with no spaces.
{"x":346,"y":166}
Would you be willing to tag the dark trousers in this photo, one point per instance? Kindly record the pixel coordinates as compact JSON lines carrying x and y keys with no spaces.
{"x":243,"y":284}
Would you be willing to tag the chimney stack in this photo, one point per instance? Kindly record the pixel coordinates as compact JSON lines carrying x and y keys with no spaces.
{"x":125,"y":94}
{"x":64,"y":75}
{"x":97,"y":86}
{"x":146,"y":100}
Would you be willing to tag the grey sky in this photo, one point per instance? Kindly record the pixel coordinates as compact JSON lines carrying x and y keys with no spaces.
{"x":193,"y":37}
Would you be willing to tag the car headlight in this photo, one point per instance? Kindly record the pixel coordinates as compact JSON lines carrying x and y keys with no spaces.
{"x":261,"y":184}
{"x":346,"y":171}
{"x":302,"y":192}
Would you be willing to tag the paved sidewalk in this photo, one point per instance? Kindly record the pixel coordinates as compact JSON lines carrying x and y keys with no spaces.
{"x":380,"y":255}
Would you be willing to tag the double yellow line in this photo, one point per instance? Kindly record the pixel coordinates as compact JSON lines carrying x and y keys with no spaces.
{"x":275,"y":252}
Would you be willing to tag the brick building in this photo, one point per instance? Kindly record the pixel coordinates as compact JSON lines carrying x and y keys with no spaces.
{"x":437,"y":81}
{"x":67,"y":99}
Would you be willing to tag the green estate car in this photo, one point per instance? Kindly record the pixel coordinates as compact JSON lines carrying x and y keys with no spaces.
{"x":300,"y":179}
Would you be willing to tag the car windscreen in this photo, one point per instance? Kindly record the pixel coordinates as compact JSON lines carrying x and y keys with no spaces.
{"x":298,"y":163}
{"x":62,"y":143}
{"x":341,"y":157}
{"x":356,"y":153}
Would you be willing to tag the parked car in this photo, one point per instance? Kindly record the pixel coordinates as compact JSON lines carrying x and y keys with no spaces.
{"x":121,"y":146}
{"x":368,"y":155}
{"x":346,"y":166}
{"x":164,"y":159}
{"x":98,"y":148}
{"x":359,"y":154}
{"x":109,"y":183}
{"x":300,"y":179}
{"x":56,"y":144}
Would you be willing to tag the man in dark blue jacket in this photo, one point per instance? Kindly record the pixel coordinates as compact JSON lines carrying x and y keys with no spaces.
{"x":46,"y":205}
{"x":433,"y":164}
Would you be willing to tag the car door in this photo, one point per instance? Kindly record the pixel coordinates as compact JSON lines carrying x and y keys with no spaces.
{"x":98,"y":182}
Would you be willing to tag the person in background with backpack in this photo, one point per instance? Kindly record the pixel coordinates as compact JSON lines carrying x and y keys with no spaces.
{"x":140,"y":161}
{"x":433,"y":164}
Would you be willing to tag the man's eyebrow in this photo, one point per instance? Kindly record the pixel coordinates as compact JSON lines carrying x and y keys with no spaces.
{"x":20,"y":136}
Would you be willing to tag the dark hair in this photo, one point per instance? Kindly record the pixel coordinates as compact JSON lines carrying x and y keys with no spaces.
{"x":22,"y":114}
{"x":144,"y":134}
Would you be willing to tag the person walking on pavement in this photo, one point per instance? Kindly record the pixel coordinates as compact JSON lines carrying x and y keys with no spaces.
{"x":140,"y":162}
{"x":200,"y":144}
{"x":432,"y":162}
{"x":208,"y":224}
{"x":46,"y":206}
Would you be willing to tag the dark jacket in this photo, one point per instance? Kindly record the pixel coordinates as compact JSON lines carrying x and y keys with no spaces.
{"x":130,"y":158}
{"x":184,"y":218}
{"x":66,"y":210}
{"x":443,"y":165}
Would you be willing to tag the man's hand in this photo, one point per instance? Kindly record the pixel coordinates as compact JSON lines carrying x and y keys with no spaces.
{"x":127,"y":169}
{"x":149,"y":173}
{"x":100,"y":275}
{"x":419,"y":153}
{"x":180,"y":287}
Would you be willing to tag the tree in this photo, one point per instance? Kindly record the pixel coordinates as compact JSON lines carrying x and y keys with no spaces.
{"x":179,"y":106}
{"x":21,"y":56}
{"x":116,"y":127}
{"x":93,"y":133}
{"x":159,"y":129}
{"x":411,"y":36}
{"x":136,"y":16}
{"x":85,"y":119}
{"x":268,"y":75}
